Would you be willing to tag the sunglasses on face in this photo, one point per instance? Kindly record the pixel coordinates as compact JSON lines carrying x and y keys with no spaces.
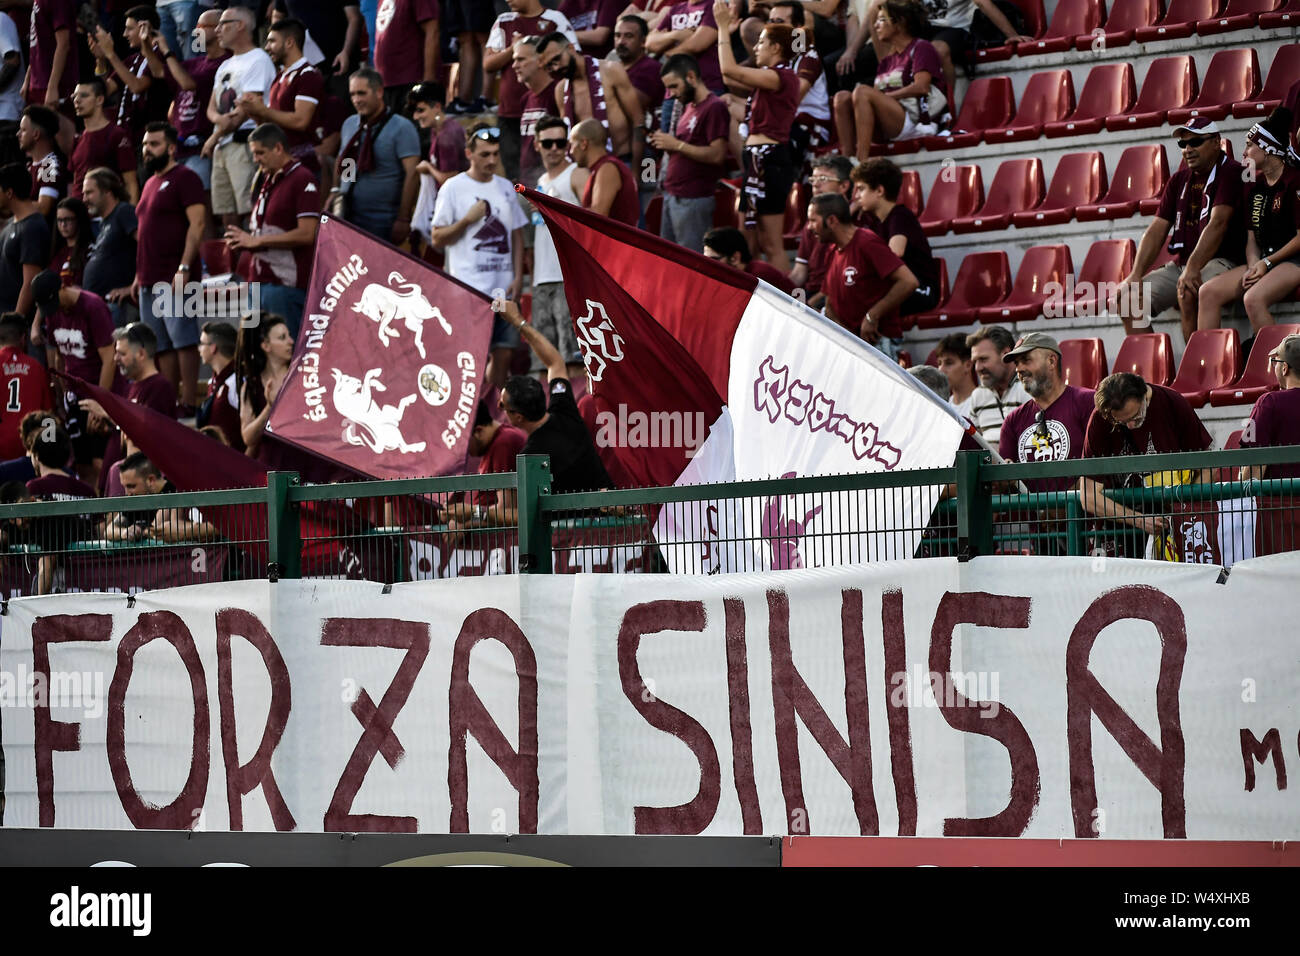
{"x":1192,"y":142}
{"x":487,"y":133}
{"x":552,"y":143}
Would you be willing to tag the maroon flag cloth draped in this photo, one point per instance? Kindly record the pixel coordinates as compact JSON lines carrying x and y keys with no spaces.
{"x":388,"y":367}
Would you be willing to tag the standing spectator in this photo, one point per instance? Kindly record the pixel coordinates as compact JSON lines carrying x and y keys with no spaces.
{"x":955,"y":364}
{"x":539,"y":101}
{"x":727,"y":245}
{"x":24,"y":242}
{"x":25,"y":385}
{"x":190,"y":84}
{"x":643,"y":71}
{"x":329,"y":132}
{"x":469,"y":21}
{"x":526,"y":18}
{"x":1000,"y":391}
{"x":139,"y":80}
{"x":281,"y":228}
{"x":110,"y":266}
{"x":1272,"y":269}
{"x":610,"y":190}
{"x":334,"y":29}
{"x":217,"y":342}
{"x":262,"y":355}
{"x":593,"y":23}
{"x":296,"y":94}
{"x":11,"y":70}
{"x":830,"y":174}
{"x":1202,"y":213}
{"x":102,"y":142}
{"x":446,"y":150}
{"x":771,"y":165}
{"x":812,"y":120}
{"x":178,"y":21}
{"x":72,"y":237}
{"x":566,"y":180}
{"x":37,"y":131}
{"x":376,"y":169}
{"x":1052,"y":424}
{"x":909,"y":98}
{"x":479,"y":224}
{"x":1275,"y":420}
{"x":172,"y":215}
{"x":406,"y":47}
{"x":876,"y":186}
{"x":690,"y":27}
{"x":248,"y":70}
{"x":696,"y":155}
{"x":862,"y":277}
{"x":586,"y":89}
{"x":52,"y":69}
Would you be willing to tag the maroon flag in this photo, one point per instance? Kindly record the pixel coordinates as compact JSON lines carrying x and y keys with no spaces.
{"x":388,"y":367}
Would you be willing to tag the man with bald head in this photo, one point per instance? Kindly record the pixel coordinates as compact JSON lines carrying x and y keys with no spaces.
{"x":610,"y":190}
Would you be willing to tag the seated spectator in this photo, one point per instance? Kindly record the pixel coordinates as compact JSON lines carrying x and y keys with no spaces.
{"x":263,"y":353}
{"x":50,"y":451}
{"x":1275,"y":420}
{"x":955,"y":364}
{"x":376,"y":169}
{"x":24,"y":243}
{"x":862,"y":277}
{"x":586,"y":89}
{"x":446,"y":151}
{"x":26,"y":388}
{"x":563,"y":179}
{"x":1000,"y":391}
{"x":909,"y":98}
{"x":220,"y":408}
{"x":294,"y":96}
{"x":20,"y":469}
{"x":102,"y":142}
{"x":875,"y":193}
{"x":933,"y":379}
{"x":728,"y":246}
{"x":771,"y":161}
{"x":611,"y":190}
{"x":110,"y":265}
{"x":1272,"y":269}
{"x":141,"y":477}
{"x":190,"y":84}
{"x":38,"y":132}
{"x":1202,"y":213}
{"x":812,"y":121}
{"x":830,"y":174}
{"x":556,"y":428}
{"x":496,"y":445}
{"x":73,"y":235}
{"x":141,"y":99}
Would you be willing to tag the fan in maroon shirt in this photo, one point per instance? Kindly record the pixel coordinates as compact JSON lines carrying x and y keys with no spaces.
{"x":24,"y":386}
{"x":102,"y":142}
{"x":611,"y":190}
{"x":295,"y":95}
{"x":1275,"y":420}
{"x":727,"y":245}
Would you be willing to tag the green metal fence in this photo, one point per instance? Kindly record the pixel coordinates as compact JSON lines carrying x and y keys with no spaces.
{"x":1186,"y":507}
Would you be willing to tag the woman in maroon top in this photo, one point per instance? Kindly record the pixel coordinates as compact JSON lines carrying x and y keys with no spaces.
{"x":771,"y":163}
{"x":73,"y":241}
{"x":263,"y":358}
{"x":1272,"y":269}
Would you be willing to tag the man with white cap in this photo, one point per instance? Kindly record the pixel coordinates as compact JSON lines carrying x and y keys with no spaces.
{"x":1202,"y":214}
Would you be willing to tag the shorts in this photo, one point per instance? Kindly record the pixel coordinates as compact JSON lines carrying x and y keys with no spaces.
{"x":922,"y":299}
{"x":173,"y":331}
{"x":551,"y":317}
{"x":504,"y":335}
{"x":770,"y":171}
{"x":1163,"y":283}
{"x":232,"y":179}
{"x":958,"y":40}
{"x":467,"y":16}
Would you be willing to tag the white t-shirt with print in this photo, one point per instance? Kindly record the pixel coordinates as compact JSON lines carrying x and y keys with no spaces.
{"x":481,"y":257}
{"x":251,"y":72}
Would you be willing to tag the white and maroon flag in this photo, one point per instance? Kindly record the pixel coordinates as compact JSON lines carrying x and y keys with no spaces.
{"x":783,"y":392}
{"x":388,"y":367}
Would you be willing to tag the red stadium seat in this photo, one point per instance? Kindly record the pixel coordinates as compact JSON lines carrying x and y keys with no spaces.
{"x":909,"y":194}
{"x":957,"y":191}
{"x":1288,"y":16}
{"x":1125,"y":17}
{"x":988,"y":104}
{"x":1149,"y":354}
{"x":1170,"y":84}
{"x":216,"y":256}
{"x":1232,"y":77}
{"x":1284,"y":72}
{"x":983,"y":279}
{"x":1071,"y":18}
{"x":1107,"y":264}
{"x":654,"y":214}
{"x":1211,"y":360}
{"x":1109,"y":89}
{"x":1257,"y":378}
{"x":1035,"y":26}
{"x":1017,"y":186}
{"x":1141,"y":173}
{"x":1237,"y":15}
{"x":1049,"y":97}
{"x":1083,"y":362}
{"x":1041,"y":265}
{"x":1079,"y":178}
{"x":1179,"y":21}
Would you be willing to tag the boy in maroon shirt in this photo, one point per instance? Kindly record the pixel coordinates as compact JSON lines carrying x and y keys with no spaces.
{"x":102,"y":142}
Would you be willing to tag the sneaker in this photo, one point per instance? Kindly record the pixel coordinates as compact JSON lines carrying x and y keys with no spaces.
{"x":481,"y":105}
{"x":458,"y":108}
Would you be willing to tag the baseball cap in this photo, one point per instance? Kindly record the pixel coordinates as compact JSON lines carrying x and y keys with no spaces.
{"x":45,"y":290}
{"x":1198,"y":126}
{"x":1031,"y":341}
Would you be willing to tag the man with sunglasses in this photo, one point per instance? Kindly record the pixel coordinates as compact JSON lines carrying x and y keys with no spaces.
{"x":1275,"y":420}
{"x":1202,"y":213}
{"x":478,"y":223}
{"x":830,"y":174}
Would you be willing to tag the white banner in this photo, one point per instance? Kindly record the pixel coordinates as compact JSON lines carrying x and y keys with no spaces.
{"x":1009,"y":696}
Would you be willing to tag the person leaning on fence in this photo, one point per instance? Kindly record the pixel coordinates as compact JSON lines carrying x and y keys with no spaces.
{"x":496,"y":445}
{"x":140,"y":476}
{"x":50,"y":450}
{"x":220,"y":407}
{"x":1134,"y":417}
{"x":1000,"y":391}
{"x":1275,"y":420}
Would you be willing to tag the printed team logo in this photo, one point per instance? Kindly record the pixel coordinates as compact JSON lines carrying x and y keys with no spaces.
{"x":400,"y":301}
{"x":434,"y":384}
{"x":1054,"y":446}
{"x":385,"y":15}
{"x":784,"y":533}
{"x":379,"y":427}
{"x":598,"y":341}
{"x":850,"y":275}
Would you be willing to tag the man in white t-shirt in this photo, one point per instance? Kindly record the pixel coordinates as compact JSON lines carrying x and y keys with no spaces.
{"x":565,"y":180}
{"x":11,"y":70}
{"x":478,"y":223}
{"x":249,"y":70}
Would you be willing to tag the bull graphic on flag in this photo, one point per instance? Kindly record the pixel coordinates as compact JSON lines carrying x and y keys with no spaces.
{"x":368,"y":422}
{"x":400,"y":301}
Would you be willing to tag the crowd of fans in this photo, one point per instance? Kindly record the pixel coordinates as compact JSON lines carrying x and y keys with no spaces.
{"x":153,"y":144}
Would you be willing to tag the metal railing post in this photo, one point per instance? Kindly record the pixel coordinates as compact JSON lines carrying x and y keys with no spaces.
{"x":283,"y":536}
{"x":974,"y":507}
{"x":534,"y":481}
{"x":1074,"y":526}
